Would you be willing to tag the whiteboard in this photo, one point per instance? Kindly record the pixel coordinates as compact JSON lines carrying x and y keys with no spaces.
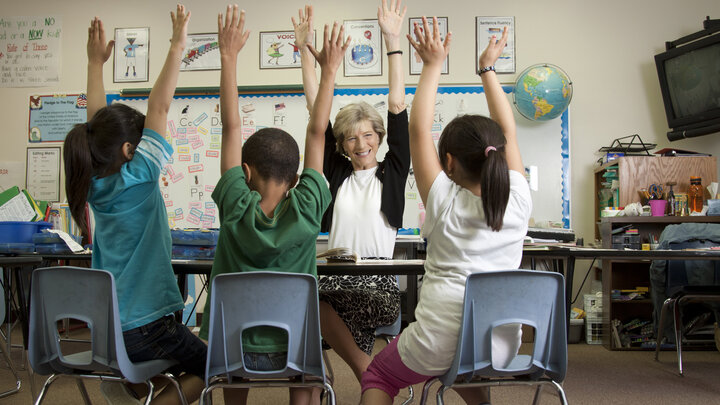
{"x":195,"y":132}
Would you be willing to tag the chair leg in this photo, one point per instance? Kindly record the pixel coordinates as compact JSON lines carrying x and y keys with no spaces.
{"x":426,"y":390}
{"x":661,"y":325}
{"x":18,"y":383}
{"x":45,"y":387}
{"x":678,"y":334}
{"x":411,"y":396}
{"x":561,"y":392}
{"x":330,"y":394}
{"x":538,"y":391}
{"x":151,"y":392}
{"x":83,"y":391}
{"x":441,"y":395}
{"x":329,"y":374}
{"x":176,"y":384}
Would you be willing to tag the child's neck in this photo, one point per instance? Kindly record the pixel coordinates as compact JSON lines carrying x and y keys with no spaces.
{"x":272,"y":193}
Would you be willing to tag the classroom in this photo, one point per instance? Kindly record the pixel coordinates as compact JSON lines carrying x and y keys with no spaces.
{"x":606,"y":48}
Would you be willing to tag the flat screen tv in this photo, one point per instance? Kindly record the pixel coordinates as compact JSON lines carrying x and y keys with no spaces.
{"x":690,"y":84}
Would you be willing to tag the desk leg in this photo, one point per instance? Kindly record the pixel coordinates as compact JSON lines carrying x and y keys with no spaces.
{"x":182,"y":285}
{"x":411,"y":297}
{"x":22,"y":304}
{"x":568,"y":287}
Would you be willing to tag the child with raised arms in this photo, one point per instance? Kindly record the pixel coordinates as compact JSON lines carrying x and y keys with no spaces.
{"x":269,"y":219}
{"x":113,"y":162}
{"x":477,"y":205}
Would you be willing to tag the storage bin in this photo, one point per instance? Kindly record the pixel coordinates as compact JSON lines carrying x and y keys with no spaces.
{"x":52,"y":248}
{"x":193,"y":252}
{"x":16,"y":248}
{"x":194,"y":237}
{"x":576,"y":330}
{"x":594,"y":334}
{"x":20,"y":231}
{"x":49,"y":237}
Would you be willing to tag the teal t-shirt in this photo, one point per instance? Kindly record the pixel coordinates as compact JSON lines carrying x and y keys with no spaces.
{"x":132,"y":236}
{"x":250,"y":241}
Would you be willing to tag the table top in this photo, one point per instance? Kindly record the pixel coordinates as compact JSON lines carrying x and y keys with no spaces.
{"x":20,"y":260}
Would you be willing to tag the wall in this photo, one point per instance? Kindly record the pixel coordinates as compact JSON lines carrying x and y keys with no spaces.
{"x":606,"y":47}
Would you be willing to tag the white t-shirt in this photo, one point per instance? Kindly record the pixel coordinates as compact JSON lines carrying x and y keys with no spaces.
{"x":357,"y":221}
{"x":461,"y":243}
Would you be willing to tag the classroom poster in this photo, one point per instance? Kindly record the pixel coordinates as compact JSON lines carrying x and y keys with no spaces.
{"x":12,"y":174}
{"x":43,"y":173}
{"x":53,"y":116}
{"x":485,"y":28}
{"x":132,"y":55}
{"x":202,"y":52}
{"x":278,"y":50}
{"x":364,"y":55}
{"x":416,"y":62}
{"x":30,"y":51}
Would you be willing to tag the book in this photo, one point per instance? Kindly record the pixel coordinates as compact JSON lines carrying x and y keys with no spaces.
{"x":340,"y":254}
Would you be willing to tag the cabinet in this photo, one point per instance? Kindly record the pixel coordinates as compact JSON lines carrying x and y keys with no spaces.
{"x":632,"y":174}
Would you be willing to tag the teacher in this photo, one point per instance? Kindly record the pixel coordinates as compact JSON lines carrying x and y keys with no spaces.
{"x":367,"y":198}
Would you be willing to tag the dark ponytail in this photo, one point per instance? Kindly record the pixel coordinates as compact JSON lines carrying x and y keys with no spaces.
{"x":78,"y":172}
{"x":478,"y":143}
{"x":95,"y":149}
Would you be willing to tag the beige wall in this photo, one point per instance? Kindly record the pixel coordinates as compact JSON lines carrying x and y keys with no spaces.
{"x":606,"y":47}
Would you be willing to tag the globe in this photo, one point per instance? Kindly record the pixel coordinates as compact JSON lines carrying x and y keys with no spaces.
{"x":542,"y":92}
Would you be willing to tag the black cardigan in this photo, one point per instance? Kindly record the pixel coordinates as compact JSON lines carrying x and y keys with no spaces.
{"x":392,"y":172}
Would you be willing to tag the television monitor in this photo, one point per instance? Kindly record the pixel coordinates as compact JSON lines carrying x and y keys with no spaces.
{"x":690,"y":84}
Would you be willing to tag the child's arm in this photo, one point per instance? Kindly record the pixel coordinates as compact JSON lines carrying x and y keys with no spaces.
{"x":391,"y":21}
{"x":162,"y":92}
{"x":433,"y":51}
{"x":98,"y":53}
{"x":499,"y":106}
{"x":329,"y":59}
{"x":231,"y":38}
{"x":303,"y":36}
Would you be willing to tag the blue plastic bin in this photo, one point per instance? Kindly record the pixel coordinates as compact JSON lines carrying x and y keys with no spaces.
{"x":21,"y":232}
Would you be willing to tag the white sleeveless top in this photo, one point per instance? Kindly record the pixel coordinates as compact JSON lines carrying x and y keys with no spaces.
{"x":357,"y":221}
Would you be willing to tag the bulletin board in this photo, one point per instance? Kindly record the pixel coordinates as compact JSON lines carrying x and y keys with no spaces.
{"x":195,"y":132}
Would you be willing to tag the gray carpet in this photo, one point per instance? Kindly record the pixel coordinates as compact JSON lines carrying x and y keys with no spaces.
{"x":595,"y":376}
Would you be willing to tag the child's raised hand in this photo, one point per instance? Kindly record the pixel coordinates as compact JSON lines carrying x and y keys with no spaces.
{"x":429,"y":46}
{"x":97,"y":49}
{"x":180,"y":21}
{"x":391,"y":18}
{"x":232,"y":34}
{"x":333,"y":48}
{"x":303,"y":27}
{"x":494,"y":49}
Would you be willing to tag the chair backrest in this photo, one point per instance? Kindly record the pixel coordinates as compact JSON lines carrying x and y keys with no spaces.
{"x":534,"y":298}
{"x":240,"y":301}
{"x":77,"y":293}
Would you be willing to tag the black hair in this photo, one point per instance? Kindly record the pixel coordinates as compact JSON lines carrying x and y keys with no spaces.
{"x":95,"y":149}
{"x":467,"y":138}
{"x":273,"y":153}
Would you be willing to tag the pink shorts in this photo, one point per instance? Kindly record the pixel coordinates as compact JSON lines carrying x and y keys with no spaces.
{"x":388,"y":373}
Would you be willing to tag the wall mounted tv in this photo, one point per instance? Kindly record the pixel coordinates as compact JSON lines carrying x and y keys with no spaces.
{"x":689,"y":73}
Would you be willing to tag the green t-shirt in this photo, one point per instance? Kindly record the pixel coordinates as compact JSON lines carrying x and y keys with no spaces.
{"x":250,"y":241}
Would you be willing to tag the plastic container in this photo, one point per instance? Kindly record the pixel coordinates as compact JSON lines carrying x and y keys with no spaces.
{"x":16,"y":248}
{"x":49,"y":237}
{"x":193,"y":252}
{"x":657,"y":207}
{"x":594,"y":330}
{"x":20,"y":231}
{"x":194,"y":237}
{"x":695,"y":195}
{"x":52,"y":248}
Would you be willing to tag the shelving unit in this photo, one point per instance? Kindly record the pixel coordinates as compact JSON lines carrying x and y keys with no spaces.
{"x":633,"y":173}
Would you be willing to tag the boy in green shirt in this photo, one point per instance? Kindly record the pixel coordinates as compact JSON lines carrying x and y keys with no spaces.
{"x":265,"y":223}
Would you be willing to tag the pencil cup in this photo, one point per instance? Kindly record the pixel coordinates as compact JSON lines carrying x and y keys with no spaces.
{"x":657,"y":207}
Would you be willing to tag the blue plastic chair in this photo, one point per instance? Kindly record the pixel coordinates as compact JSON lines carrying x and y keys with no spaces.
{"x":5,"y":352}
{"x":89,"y":295}
{"x":534,"y":298}
{"x":241,"y":301}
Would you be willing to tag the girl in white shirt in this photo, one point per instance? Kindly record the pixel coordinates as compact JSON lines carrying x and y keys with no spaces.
{"x":477,"y":208}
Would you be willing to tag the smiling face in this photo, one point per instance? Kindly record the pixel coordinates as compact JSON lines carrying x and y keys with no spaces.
{"x":361,"y":146}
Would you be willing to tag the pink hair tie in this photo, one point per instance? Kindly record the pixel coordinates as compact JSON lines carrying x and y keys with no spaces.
{"x":488,"y":149}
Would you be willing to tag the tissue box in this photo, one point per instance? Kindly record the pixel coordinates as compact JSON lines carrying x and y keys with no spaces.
{"x":713,"y":208}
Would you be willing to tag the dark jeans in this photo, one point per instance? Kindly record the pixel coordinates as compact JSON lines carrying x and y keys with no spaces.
{"x":165,"y":338}
{"x":265,"y":361}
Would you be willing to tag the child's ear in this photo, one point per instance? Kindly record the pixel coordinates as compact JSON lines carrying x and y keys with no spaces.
{"x":128,"y":150}
{"x":449,"y":164}
{"x":248,"y":172}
